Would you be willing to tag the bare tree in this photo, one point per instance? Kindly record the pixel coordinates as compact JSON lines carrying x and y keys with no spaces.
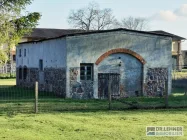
{"x":91,"y":18}
{"x":104,"y":19}
{"x":134,"y":23}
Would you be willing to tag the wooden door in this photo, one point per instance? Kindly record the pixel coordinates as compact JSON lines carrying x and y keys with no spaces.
{"x":103,"y":83}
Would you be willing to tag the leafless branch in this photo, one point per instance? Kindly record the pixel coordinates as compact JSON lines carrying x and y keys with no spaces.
{"x":91,"y":18}
{"x":134,"y":23}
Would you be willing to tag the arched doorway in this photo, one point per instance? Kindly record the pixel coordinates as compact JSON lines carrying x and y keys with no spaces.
{"x":124,"y":68}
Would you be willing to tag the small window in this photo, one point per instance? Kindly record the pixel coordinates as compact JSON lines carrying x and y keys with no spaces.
{"x":86,"y":71}
{"x":20,"y":73}
{"x":25,"y":51}
{"x":19,"y":52}
{"x":41,"y":65}
{"x":25,"y":73}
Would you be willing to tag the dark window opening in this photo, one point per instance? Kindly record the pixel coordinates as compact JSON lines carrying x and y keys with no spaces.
{"x":86,"y":71}
{"x":25,"y":52}
{"x":41,"y":65}
{"x":20,"y":73}
{"x":25,"y":73}
{"x":19,"y":52}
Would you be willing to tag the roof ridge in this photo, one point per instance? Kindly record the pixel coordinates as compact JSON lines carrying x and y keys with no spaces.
{"x":96,"y":31}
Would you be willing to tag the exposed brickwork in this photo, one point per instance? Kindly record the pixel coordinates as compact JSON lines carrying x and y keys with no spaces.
{"x":120,"y":50}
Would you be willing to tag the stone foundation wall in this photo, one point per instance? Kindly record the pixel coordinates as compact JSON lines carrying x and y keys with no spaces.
{"x":32,"y":77}
{"x":156,"y":81}
{"x":54,"y":80}
{"x":80,"y":89}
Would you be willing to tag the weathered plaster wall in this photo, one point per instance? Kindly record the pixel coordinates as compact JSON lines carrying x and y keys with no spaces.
{"x":53,"y":76}
{"x":156,"y":51}
{"x":53,"y":53}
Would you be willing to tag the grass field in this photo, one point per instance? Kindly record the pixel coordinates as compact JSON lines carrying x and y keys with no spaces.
{"x":109,"y":125}
{"x":60,"y":119}
{"x":7,"y":82}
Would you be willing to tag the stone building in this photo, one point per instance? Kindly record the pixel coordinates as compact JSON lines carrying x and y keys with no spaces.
{"x":85,"y":65}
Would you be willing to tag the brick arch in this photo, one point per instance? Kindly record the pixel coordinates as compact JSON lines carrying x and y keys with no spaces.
{"x":120,"y":50}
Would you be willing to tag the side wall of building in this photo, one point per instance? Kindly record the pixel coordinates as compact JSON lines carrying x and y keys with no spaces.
{"x":184,"y":56}
{"x":44,"y":62}
{"x":177,"y":58}
{"x":155,"y":50}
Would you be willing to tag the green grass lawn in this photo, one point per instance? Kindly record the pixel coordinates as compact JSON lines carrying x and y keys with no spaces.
{"x":60,"y":119}
{"x":77,"y":125}
{"x":8,"y":82}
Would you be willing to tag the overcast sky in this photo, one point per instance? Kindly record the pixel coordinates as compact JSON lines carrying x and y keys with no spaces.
{"x":167,"y":15}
